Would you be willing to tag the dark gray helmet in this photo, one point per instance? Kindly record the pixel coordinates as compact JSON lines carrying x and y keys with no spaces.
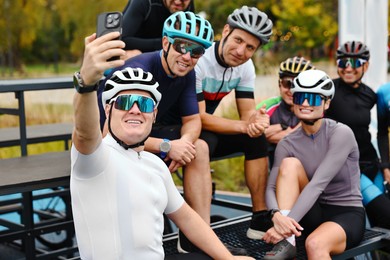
{"x":253,"y":21}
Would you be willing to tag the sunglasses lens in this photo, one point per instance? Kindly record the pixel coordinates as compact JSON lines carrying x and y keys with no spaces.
{"x":358,"y":63}
{"x":354,"y":63}
{"x":126,"y":102}
{"x":196,"y":51}
{"x":286,"y":83}
{"x":312,"y":98}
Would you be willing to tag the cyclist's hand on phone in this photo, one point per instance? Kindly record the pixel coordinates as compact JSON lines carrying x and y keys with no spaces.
{"x":96,"y":54}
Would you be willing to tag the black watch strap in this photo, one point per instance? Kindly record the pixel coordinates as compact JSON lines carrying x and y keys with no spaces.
{"x":273,"y":211}
{"x":79,"y":85}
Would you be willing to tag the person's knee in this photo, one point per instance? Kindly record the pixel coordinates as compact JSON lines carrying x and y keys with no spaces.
{"x":313,"y":244}
{"x":202,"y":148}
{"x":289,"y":166}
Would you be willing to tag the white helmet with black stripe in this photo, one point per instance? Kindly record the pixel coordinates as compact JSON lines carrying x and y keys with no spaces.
{"x":130,"y":78}
{"x":313,"y":81}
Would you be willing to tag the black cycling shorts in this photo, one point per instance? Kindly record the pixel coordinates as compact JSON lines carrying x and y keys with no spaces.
{"x":222,"y":145}
{"x":351,"y":219}
{"x":188,"y":256}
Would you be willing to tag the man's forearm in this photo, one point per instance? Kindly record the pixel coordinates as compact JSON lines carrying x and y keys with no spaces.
{"x":221,"y":125}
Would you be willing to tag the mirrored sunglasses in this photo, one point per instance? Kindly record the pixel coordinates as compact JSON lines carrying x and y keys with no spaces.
{"x":313,"y":99}
{"x":286,"y":83}
{"x":126,"y":102}
{"x":354,"y":63}
{"x":183,"y":46}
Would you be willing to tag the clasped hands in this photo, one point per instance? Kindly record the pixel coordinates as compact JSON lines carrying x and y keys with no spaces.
{"x":258,"y":123}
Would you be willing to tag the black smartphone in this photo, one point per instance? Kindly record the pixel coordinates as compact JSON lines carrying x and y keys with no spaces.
{"x":109,"y":22}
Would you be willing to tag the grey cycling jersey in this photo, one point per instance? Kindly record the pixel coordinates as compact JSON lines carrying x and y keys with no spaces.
{"x":330,"y":158}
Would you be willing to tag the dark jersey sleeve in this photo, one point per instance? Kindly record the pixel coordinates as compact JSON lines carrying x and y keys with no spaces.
{"x":135,"y":14}
{"x":143,"y":22}
{"x":383,"y":114}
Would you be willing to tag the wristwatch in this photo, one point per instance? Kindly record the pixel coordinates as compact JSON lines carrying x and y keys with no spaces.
{"x":165,"y":147}
{"x":273,"y":211}
{"x":79,"y":85}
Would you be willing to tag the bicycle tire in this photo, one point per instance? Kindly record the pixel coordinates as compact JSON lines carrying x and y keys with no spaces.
{"x":48,"y":208}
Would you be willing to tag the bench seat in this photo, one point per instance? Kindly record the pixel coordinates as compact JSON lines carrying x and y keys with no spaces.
{"x":233,"y":233}
{"x":37,"y":134}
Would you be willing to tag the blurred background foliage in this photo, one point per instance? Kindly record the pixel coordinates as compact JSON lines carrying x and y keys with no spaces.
{"x":53,"y":31}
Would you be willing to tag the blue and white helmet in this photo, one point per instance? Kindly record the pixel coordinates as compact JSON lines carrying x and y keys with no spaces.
{"x":189,"y":26}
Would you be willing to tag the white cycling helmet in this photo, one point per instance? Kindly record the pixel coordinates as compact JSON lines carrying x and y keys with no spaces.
{"x":253,"y":21}
{"x":313,"y":81}
{"x":130,"y":78}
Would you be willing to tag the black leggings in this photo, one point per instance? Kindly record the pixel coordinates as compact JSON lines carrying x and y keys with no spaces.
{"x":351,"y":219}
{"x":378,"y":211}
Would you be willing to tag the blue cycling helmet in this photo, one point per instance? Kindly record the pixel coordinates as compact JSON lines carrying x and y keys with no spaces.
{"x":189,"y":26}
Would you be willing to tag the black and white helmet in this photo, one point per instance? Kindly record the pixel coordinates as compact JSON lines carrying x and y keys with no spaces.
{"x":130,"y":78}
{"x":253,"y":21}
{"x":313,"y":81}
{"x":354,"y":49}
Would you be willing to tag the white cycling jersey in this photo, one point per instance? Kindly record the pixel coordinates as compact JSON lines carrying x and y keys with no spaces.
{"x":214,"y":81}
{"x":118,"y":201}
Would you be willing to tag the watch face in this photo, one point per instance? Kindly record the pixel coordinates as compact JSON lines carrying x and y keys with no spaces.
{"x":76,"y":79}
{"x":165,"y":147}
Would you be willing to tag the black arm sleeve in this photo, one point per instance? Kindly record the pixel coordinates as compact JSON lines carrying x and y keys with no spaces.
{"x":134,"y":15}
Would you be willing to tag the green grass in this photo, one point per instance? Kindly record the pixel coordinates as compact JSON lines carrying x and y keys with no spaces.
{"x":11,"y":152}
{"x":39,"y":70}
{"x":228,"y":175}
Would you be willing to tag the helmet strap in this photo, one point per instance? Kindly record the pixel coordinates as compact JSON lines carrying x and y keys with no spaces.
{"x":313,"y":121}
{"x":165,"y":54}
{"x":120,"y":142}
{"x":310,"y":122}
{"x":223,"y":45}
{"x":358,"y":80}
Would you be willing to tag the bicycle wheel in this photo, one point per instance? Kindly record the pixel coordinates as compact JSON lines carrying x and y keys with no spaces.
{"x":53,"y":208}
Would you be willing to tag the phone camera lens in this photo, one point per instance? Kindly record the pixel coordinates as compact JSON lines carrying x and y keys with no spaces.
{"x":112,"y":20}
